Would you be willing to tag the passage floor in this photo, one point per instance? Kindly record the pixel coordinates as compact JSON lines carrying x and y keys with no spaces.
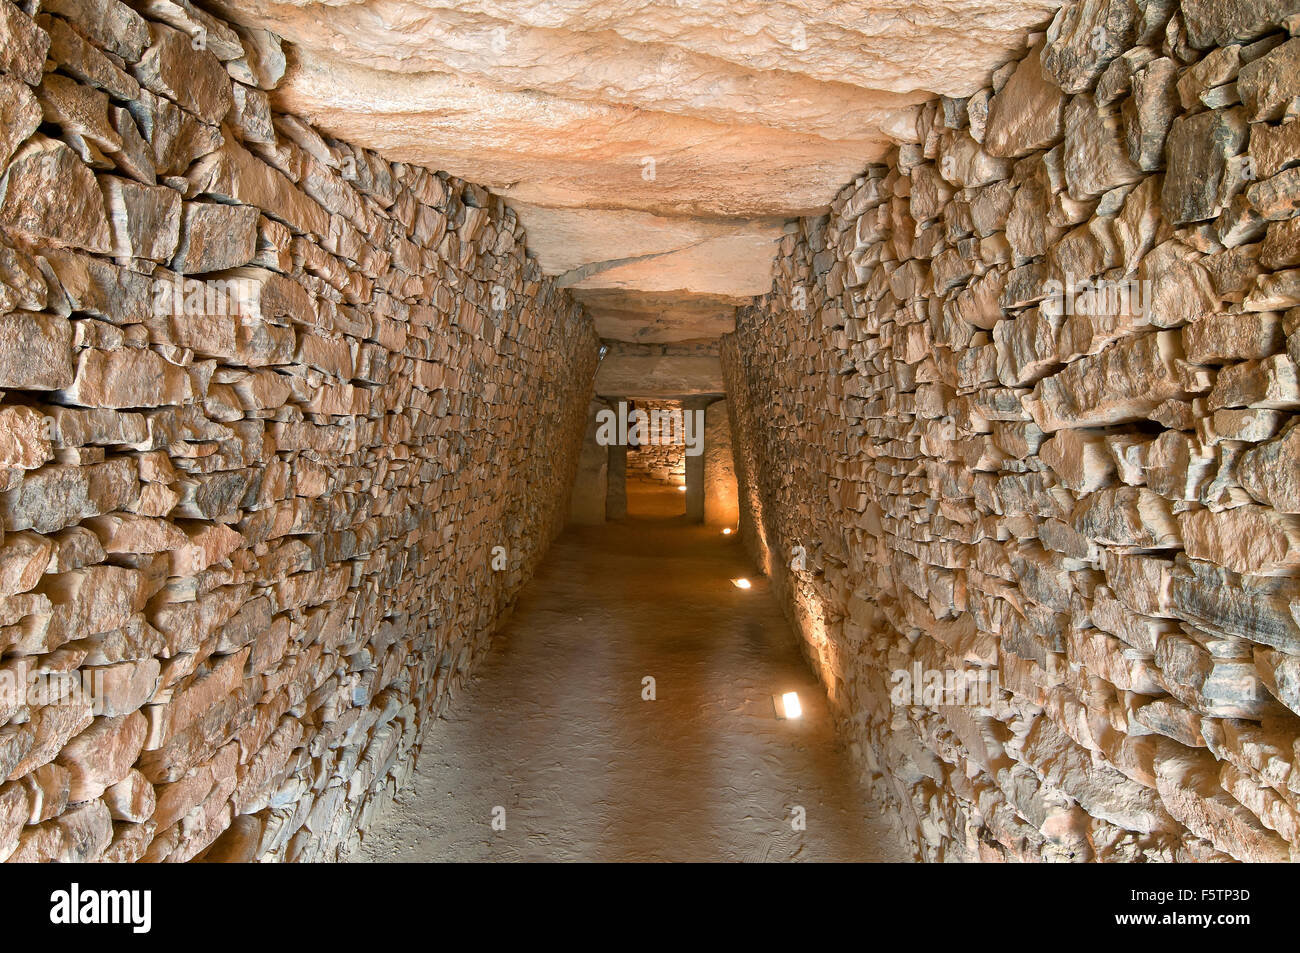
{"x":554,"y":729}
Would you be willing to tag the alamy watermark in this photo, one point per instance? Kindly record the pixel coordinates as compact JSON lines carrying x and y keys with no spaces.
{"x":22,"y":685}
{"x":79,"y":907}
{"x":1128,"y":296}
{"x":192,"y":298}
{"x":927,"y":687}
{"x":659,"y":426}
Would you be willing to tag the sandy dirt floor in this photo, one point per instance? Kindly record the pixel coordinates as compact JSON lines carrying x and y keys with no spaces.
{"x":553,"y":727}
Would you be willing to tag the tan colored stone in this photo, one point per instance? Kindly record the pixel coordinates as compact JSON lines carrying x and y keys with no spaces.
{"x":1095,"y":155}
{"x":48,"y":195}
{"x":1080,"y":460}
{"x":23,"y":560}
{"x":57,"y":496}
{"x":1124,"y":382}
{"x":1190,"y":790}
{"x":102,"y":755}
{"x":1271,"y":382}
{"x":193,"y":78}
{"x":234,"y":175}
{"x":131,"y":799}
{"x":1025,"y":114}
{"x":85,"y":61}
{"x":1245,"y":539}
{"x":127,"y":378}
{"x":1270,"y":84}
{"x":24,"y":439}
{"x":215,"y":237}
{"x":23,"y":44}
{"x":20,"y":115}
{"x":145,"y":219}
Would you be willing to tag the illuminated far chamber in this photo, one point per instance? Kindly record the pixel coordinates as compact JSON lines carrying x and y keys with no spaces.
{"x":741,"y":583}
{"x":787,"y":705}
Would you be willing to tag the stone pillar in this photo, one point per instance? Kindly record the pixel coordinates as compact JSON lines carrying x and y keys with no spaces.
{"x":616,"y":477}
{"x":587,"y":500}
{"x":721,"y":500}
{"x":695,"y":464}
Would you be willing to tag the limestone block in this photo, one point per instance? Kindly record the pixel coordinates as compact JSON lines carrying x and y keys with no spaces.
{"x":232,"y":174}
{"x":1200,"y":179}
{"x":1084,"y":37}
{"x":110,"y":24}
{"x":1217,"y":24}
{"x":85,"y":61}
{"x":1268,"y":472}
{"x":23,"y":45}
{"x":1150,"y":111}
{"x":1190,"y":790}
{"x":1124,"y":382}
{"x":145,"y":219}
{"x":20,"y":114}
{"x":48,"y":195}
{"x":127,"y":378}
{"x":102,"y":755}
{"x":1245,"y":539}
{"x":1025,"y":115}
{"x":192,"y":78}
{"x":1096,"y":158}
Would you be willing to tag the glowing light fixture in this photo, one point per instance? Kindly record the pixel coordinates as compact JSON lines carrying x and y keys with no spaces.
{"x":727,"y":531}
{"x":682,"y":488}
{"x":741,"y":583}
{"x":787,"y":705}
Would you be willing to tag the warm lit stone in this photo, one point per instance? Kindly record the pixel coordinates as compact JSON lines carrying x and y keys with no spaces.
{"x":47,"y":194}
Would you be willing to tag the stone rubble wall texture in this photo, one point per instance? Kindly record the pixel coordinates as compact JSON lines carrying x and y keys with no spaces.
{"x":260,"y":528}
{"x":1103,"y":507}
{"x":655,"y":462}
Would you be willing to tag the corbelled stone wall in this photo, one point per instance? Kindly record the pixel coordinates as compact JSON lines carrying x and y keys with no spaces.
{"x":269,"y":424}
{"x":965,"y":468}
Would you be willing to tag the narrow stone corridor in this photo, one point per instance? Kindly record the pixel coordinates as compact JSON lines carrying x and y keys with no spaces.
{"x":393,"y":391}
{"x":553,"y":728}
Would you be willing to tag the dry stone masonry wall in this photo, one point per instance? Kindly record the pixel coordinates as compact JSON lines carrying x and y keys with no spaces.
{"x":268,"y":431}
{"x":661,"y":460}
{"x":1017,"y":437}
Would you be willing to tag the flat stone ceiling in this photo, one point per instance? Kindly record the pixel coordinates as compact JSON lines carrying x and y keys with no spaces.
{"x":653,"y":151}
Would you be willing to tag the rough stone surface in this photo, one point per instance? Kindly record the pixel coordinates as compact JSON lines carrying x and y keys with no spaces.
{"x":652,"y":125}
{"x":1025,"y":114}
{"x":1014,"y":405}
{"x":48,"y":195}
{"x":264,"y":428}
{"x":1054,"y":442}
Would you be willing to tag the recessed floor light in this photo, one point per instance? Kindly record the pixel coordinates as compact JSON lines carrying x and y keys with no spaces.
{"x":787,"y":705}
{"x":741,"y":583}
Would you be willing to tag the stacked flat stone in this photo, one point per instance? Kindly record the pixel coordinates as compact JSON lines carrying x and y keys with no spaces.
{"x":259,"y":515}
{"x":658,"y":461}
{"x":1100,"y":504}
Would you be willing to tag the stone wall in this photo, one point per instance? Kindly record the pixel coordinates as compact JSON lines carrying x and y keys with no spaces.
{"x":660,"y":460}
{"x":251,"y":515}
{"x":1042,"y":542}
